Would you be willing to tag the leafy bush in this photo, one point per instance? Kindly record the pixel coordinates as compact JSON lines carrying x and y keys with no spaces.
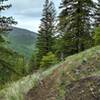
{"x":12,"y":66}
{"x":97,"y":36}
{"x":48,"y":60}
{"x":33,"y":63}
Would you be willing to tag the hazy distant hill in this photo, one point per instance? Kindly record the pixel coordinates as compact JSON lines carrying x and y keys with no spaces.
{"x":23,"y":41}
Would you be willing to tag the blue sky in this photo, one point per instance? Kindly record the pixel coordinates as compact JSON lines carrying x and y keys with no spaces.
{"x":28,"y":12}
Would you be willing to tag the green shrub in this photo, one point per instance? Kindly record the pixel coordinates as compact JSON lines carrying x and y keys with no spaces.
{"x":48,"y":60}
{"x":33,"y":63}
{"x":97,"y":36}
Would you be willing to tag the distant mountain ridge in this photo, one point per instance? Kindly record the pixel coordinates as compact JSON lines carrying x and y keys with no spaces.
{"x":22,"y":41}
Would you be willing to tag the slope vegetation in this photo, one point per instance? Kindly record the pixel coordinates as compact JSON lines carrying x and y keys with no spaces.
{"x":22,"y":41}
{"x":77,"y":78}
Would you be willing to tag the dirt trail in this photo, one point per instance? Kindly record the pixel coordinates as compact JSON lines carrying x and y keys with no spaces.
{"x":47,"y":88}
{"x":84,"y":89}
{"x":80,"y":79}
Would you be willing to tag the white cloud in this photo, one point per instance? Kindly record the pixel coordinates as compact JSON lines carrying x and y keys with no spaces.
{"x":27,"y":12}
{"x":31,"y":24}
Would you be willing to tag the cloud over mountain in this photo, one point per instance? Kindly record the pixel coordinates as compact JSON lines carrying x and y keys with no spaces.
{"x":27,"y":12}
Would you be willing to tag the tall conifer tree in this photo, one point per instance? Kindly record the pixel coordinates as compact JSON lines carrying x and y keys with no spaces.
{"x":45,"y":38}
{"x":97,"y":17}
{"x":5,"y":22}
{"x":5,"y":54}
{"x":75,"y":25}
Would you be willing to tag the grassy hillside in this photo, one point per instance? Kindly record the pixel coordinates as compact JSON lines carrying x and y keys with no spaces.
{"x":77,"y":78}
{"x":11,"y":66}
{"x":22,"y":41}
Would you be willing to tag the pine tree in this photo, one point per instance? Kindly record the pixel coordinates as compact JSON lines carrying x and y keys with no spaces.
{"x":75,"y":25}
{"x":5,"y":22}
{"x":45,"y":38}
{"x":6,"y":68}
{"x":97,"y":16}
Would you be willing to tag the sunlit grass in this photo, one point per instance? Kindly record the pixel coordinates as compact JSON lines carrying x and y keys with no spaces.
{"x":18,"y":90}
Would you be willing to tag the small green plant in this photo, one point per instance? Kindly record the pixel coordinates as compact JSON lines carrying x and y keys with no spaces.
{"x":48,"y":60}
{"x":97,"y":36}
{"x":62,"y":86}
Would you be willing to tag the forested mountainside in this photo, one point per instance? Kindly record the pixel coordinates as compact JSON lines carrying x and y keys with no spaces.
{"x":22,"y":41}
{"x":76,"y":78}
{"x":61,"y":61}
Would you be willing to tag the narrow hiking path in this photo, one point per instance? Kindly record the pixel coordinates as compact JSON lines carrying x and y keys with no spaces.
{"x":54,"y":83}
{"x":47,"y":89}
{"x":69,"y":75}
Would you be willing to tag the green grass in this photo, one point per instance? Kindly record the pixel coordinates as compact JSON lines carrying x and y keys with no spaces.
{"x":17,"y":90}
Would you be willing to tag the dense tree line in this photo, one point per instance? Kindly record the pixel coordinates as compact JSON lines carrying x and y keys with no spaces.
{"x":75,"y":28}
{"x":75,"y":25}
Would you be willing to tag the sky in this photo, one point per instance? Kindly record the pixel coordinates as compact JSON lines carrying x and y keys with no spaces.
{"x":28,"y":12}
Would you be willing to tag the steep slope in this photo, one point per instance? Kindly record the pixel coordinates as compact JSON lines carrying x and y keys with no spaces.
{"x":22,"y":41}
{"x":77,"y":78}
{"x":11,"y":66}
{"x":84,"y":89}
